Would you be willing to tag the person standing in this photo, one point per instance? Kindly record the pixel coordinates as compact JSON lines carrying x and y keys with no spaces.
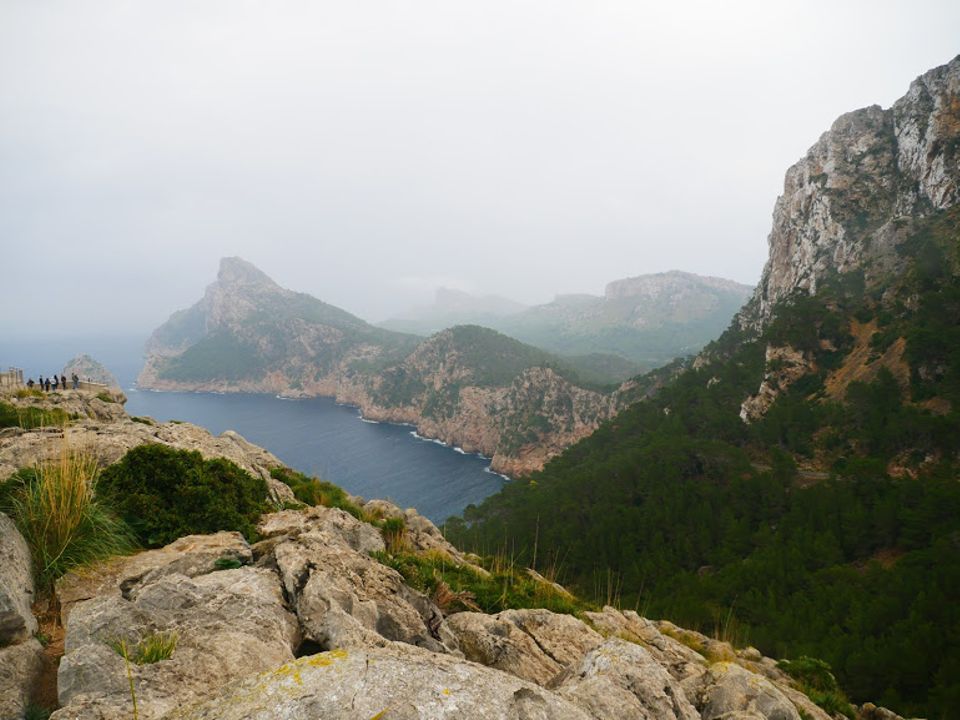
{"x":55,"y":383}
{"x":63,"y":382}
{"x":40,"y":382}
{"x":46,"y":385}
{"x":76,"y":381}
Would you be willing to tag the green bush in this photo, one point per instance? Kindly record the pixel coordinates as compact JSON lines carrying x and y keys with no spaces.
{"x":313,"y":491}
{"x":817,"y":681}
{"x":164,"y":494}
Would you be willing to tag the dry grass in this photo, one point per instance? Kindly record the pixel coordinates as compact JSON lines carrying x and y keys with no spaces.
{"x":55,"y":510}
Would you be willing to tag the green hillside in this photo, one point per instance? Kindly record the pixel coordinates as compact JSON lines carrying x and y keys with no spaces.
{"x":830,"y":528}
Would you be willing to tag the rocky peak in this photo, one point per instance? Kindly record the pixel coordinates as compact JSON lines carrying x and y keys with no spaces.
{"x":671,"y":283}
{"x":236,"y":272}
{"x":845,"y":203}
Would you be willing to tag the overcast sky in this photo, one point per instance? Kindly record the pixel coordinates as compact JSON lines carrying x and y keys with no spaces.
{"x":368,"y":152}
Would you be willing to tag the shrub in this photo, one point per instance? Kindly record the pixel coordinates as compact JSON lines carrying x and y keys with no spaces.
{"x":313,"y":491}
{"x":106,"y":397}
{"x":164,"y":494}
{"x":54,"y":507}
{"x":816,"y":680}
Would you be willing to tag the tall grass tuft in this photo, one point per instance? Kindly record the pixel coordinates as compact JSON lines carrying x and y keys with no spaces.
{"x":55,"y":509}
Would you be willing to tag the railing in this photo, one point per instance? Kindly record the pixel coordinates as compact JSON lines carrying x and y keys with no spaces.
{"x":12,"y":379}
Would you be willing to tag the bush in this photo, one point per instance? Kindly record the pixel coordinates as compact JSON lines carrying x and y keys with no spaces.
{"x":64,"y":525}
{"x":164,"y":494}
{"x":817,"y":681}
{"x":313,"y":491}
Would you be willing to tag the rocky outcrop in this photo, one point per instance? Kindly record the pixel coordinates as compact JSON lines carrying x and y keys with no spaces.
{"x":89,"y":370}
{"x":783,"y":367}
{"x":851,"y":200}
{"x":105,"y":430}
{"x":398,"y":682}
{"x":21,"y":656}
{"x":16,"y":585}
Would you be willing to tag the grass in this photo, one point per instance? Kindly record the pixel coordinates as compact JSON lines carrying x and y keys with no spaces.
{"x":394,"y":531}
{"x":816,"y":681}
{"x":313,"y":491}
{"x":227,"y":563}
{"x":28,"y":393}
{"x":54,"y":507}
{"x":151,"y":648}
{"x":35,"y":712}
{"x":29,"y":418}
{"x":461,"y":587}
{"x":106,"y":397}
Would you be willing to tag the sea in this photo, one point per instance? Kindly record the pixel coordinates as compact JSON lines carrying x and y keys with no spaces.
{"x":316,"y":436}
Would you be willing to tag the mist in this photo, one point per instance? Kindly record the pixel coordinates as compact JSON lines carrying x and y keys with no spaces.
{"x":370,"y":152}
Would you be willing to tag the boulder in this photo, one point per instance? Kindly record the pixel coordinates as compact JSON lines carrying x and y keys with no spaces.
{"x":16,"y":585}
{"x":394,"y":682}
{"x":360,"y":536}
{"x":20,"y":667}
{"x":726,"y":687}
{"x":422,"y":535}
{"x":344,"y":598}
{"x":622,"y":680}
{"x":228,"y":624}
{"x":191,"y":555}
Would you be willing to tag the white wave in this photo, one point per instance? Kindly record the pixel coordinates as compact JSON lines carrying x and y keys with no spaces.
{"x":494,"y":472}
{"x":371,"y":422}
{"x":418,"y":436}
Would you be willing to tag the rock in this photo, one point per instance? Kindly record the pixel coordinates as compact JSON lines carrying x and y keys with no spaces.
{"x":16,"y":585}
{"x":532,"y":644}
{"x":20,"y":666}
{"x":228,"y":624}
{"x":844,"y":205}
{"x":422,"y":535}
{"x":106,"y":428}
{"x":726,"y":687}
{"x":680,"y":661}
{"x":784,"y":366}
{"x":189,"y":556}
{"x":89,"y":370}
{"x":395,"y":682}
{"x":360,"y":536}
{"x":623,"y":680}
{"x":345,"y":599}
{"x":869,"y":711}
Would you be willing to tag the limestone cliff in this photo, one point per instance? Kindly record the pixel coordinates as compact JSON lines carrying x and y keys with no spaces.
{"x":467,"y":386}
{"x":89,"y":370}
{"x":855,"y":195}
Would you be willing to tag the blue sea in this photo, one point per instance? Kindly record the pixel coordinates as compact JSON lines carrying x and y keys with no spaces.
{"x":316,"y":436}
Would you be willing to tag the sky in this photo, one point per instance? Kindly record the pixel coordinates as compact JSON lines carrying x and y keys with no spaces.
{"x":368,"y":152}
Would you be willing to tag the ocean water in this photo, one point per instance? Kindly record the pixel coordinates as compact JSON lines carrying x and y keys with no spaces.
{"x":316,"y":436}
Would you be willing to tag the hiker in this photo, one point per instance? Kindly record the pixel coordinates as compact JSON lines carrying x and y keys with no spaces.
{"x":55,"y":381}
{"x":41,"y":382}
{"x":46,"y":385}
{"x":30,"y":383}
{"x":76,"y":381}
{"x":63,"y":381}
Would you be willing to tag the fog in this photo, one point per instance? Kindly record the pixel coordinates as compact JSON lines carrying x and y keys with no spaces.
{"x":369,"y":152}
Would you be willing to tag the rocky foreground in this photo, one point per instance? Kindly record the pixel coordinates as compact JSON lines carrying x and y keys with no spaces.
{"x":308,"y":623}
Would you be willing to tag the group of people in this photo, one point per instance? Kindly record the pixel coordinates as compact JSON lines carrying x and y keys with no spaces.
{"x":54,"y":383}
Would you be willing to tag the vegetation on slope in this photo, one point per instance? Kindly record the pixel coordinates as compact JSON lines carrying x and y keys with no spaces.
{"x":699,"y":516}
{"x":164,"y":493}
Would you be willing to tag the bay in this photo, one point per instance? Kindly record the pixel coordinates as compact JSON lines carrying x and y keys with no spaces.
{"x":316,"y":436}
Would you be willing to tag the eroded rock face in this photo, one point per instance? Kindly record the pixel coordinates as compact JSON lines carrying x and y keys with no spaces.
{"x":395,"y":682}
{"x":842,"y":205}
{"x":346,"y":599}
{"x":784,"y":366}
{"x":20,"y":666}
{"x":623,"y":680}
{"x":534,"y":645}
{"x":16,"y":585}
{"x":727,"y":687}
{"x":228,"y":624}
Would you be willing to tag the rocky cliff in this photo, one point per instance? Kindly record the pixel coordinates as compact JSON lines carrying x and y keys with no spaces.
{"x":467,"y":386}
{"x":89,"y":370}
{"x":859,"y":190}
{"x":315,"y":620}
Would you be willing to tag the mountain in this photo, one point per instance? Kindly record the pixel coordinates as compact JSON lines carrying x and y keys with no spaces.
{"x":88,"y":369}
{"x":451,"y":308}
{"x":467,"y":386}
{"x":638,"y":324}
{"x":795,"y":486}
